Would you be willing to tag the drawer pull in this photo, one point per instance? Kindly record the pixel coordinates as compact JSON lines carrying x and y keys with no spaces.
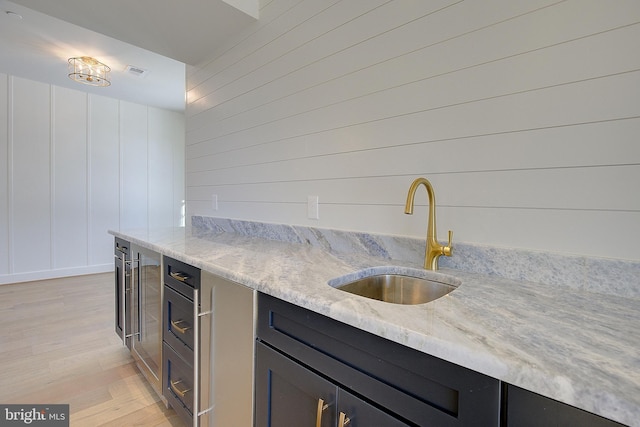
{"x":176,"y":390}
{"x":321,"y":408}
{"x":183,"y":329}
{"x":344,"y":420}
{"x":182,"y":277}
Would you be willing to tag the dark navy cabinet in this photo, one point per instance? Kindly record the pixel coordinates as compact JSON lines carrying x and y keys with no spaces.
{"x":523,"y":408}
{"x":312,"y":370}
{"x":300,"y":395}
{"x":178,"y":336}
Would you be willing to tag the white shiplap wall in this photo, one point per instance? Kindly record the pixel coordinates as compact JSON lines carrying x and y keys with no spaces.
{"x":525,"y":116}
{"x":74,"y":165}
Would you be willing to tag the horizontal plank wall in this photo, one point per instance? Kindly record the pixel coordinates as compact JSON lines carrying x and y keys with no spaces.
{"x":75,"y":165}
{"x":525,"y":116}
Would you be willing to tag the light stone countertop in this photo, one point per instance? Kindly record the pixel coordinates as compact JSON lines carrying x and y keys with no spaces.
{"x":574,"y":346}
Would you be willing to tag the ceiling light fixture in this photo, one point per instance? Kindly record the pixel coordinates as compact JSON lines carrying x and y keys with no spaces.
{"x":89,"y":71}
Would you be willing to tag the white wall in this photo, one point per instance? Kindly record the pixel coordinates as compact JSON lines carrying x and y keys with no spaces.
{"x":524,"y":115}
{"x":75,"y":165}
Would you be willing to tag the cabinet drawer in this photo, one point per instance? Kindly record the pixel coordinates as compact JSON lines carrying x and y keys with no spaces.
{"x":417,"y":387}
{"x":181,"y":277}
{"x":177,"y":383}
{"x":178,"y":323}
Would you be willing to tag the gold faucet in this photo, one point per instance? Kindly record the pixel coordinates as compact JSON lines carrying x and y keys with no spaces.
{"x":434,"y":249}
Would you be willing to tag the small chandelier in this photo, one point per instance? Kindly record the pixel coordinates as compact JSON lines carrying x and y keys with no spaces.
{"x":89,"y":71}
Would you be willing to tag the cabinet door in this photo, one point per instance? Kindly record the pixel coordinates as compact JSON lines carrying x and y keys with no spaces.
{"x":123,"y":290}
{"x":527,"y":409}
{"x":287,"y":394}
{"x":358,"y":413}
{"x":120,"y":277}
{"x":146,"y":312}
{"x":122,"y":274}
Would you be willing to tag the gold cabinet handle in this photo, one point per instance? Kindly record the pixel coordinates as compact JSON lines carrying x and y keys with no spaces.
{"x":182,"y":277}
{"x":343,"y":420}
{"x":182,"y":330}
{"x":321,"y":407}
{"x":177,"y":391}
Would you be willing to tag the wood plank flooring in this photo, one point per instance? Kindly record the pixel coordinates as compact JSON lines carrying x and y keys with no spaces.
{"x":58,"y":345}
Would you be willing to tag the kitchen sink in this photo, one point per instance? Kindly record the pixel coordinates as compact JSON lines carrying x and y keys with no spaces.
{"x":399,"y":288}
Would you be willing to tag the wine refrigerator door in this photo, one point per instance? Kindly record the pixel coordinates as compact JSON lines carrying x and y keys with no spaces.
{"x":147,"y":314}
{"x":122,"y":281}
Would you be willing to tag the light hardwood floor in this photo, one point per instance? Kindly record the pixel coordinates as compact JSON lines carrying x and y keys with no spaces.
{"x":58,"y":345}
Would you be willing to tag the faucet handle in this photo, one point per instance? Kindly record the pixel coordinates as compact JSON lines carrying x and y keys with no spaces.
{"x":448,"y":250}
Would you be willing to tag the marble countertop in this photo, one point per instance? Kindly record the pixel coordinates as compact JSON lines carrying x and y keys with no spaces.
{"x":574,"y":346}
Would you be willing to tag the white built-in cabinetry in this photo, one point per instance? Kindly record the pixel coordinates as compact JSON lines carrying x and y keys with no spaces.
{"x":75,"y":165}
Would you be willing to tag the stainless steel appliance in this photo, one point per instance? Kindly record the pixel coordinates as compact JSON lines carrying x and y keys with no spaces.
{"x":138,"y":302}
{"x":122,"y":253}
{"x":146,"y":314}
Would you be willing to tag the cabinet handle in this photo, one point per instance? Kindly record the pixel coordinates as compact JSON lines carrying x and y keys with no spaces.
{"x":177,"y":391}
{"x":182,"y":330}
{"x":343,"y":420}
{"x":196,"y":358}
{"x":137,"y":291}
{"x":123,"y":300}
{"x":321,"y":407}
{"x":182,"y":277}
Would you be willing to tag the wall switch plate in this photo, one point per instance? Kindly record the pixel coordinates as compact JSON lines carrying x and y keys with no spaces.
{"x":214,"y":202}
{"x":312,"y":207}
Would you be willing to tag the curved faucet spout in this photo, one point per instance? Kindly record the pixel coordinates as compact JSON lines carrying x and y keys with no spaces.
{"x":433,"y":249}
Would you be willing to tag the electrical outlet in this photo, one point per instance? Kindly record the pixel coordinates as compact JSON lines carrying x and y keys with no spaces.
{"x":214,"y":202}
{"x":312,"y":207}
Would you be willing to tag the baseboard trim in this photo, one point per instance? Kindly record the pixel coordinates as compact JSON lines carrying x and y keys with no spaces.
{"x":6,"y":279}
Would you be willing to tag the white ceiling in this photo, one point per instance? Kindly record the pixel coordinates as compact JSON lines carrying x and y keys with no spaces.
{"x":160,"y":36}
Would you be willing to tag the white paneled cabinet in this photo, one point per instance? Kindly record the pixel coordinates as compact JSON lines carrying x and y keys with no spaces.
{"x":69,"y":179}
{"x":75,"y":165}
{"x":103,"y":175}
{"x":133,"y":139}
{"x":30,"y":180}
{"x":4,"y":183}
{"x":165,"y":167}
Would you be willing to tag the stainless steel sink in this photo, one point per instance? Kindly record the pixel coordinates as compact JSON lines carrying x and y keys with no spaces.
{"x":398,"y":288}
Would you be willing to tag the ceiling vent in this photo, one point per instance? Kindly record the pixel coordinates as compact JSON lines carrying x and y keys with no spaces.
{"x":132,"y":70}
